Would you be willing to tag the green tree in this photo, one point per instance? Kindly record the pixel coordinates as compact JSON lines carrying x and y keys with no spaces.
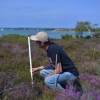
{"x":82,"y":27}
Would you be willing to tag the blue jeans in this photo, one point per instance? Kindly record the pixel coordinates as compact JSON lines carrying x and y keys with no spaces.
{"x":56,"y":80}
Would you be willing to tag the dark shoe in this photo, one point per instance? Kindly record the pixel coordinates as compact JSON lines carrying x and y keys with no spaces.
{"x":63,"y":85}
{"x":78,"y":87}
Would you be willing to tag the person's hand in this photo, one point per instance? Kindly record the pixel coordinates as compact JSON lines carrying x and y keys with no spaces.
{"x":34,"y":69}
{"x":37,"y":68}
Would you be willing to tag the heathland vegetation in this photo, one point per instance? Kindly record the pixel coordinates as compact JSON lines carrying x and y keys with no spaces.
{"x":15,"y":80}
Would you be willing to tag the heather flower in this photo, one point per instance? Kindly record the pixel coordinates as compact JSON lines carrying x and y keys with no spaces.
{"x":96,"y":94}
{"x":92,"y":81}
{"x":21,"y":91}
{"x":69,"y":94}
{"x":88,"y":45}
{"x":16,"y":48}
{"x":6,"y":44}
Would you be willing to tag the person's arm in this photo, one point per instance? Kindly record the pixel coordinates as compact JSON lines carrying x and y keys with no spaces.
{"x":57,"y":70}
{"x":37,"y":68}
{"x":48,"y":65}
{"x":41,"y":67}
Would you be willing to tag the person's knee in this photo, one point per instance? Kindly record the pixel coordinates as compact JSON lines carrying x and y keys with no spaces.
{"x":48,"y":82}
{"x":70,"y":76}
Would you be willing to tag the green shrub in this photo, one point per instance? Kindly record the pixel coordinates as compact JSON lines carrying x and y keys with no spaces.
{"x":14,"y":36}
{"x":67,"y":37}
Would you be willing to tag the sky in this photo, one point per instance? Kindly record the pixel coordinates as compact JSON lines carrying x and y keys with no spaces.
{"x":48,"y":13}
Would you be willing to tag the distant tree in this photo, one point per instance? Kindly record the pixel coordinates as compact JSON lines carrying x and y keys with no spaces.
{"x":82,"y":27}
{"x":96,"y":31}
{"x":95,"y":28}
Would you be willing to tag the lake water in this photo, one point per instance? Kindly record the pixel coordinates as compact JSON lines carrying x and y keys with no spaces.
{"x":51,"y":34}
